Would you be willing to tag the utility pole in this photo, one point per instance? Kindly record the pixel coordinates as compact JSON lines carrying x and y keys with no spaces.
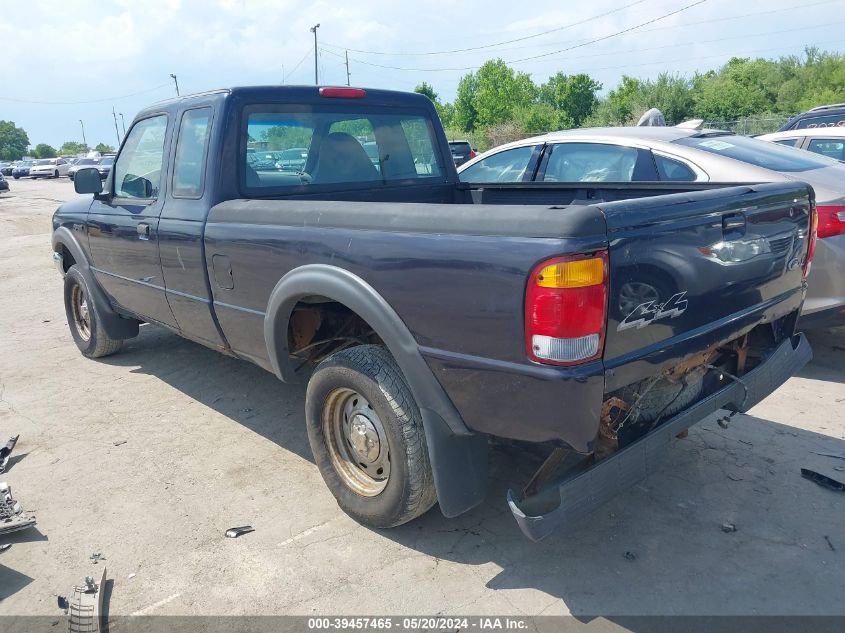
{"x":175,"y":82}
{"x":347,"y":68}
{"x":116,"y":131}
{"x":123,"y":123}
{"x":84,"y":142}
{"x":316,"y":76}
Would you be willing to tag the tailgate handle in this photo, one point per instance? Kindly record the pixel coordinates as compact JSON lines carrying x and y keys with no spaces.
{"x":733,"y":223}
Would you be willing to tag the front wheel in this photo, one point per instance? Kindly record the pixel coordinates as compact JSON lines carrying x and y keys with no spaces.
{"x":83,"y":318}
{"x":367,"y":437}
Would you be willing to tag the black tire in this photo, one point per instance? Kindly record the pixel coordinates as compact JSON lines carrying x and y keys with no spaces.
{"x":92,"y":341}
{"x":16,"y":177}
{"x":56,"y":174}
{"x":369,"y":370}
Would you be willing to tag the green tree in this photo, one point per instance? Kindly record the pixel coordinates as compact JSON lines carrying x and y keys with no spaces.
{"x":466,"y":114}
{"x":574,"y":96}
{"x":425,"y":89}
{"x":500,"y":91}
{"x":73,"y":147}
{"x":103,"y":148}
{"x":42,"y":150}
{"x":13,"y":141}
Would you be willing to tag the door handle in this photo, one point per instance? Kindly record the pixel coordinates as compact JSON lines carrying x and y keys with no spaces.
{"x":143,"y":231}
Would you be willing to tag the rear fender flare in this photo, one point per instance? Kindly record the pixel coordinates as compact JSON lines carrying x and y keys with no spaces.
{"x":458,"y":456}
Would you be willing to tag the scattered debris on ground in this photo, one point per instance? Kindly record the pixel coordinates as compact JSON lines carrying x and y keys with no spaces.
{"x":63,"y":603}
{"x":97,"y":557}
{"x":119,"y":442}
{"x":823,"y":480}
{"x":727,"y":528}
{"x":630,"y":556}
{"x":829,"y":544}
{"x":86,"y":605}
{"x":235,"y":532}
{"x":12,"y":516}
{"x":6,"y":451}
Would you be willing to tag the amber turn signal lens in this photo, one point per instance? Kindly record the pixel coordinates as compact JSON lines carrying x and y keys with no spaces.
{"x":575,"y":274}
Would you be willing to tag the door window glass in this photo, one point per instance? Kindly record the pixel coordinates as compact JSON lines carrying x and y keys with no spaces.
{"x":831,"y":147}
{"x":137,"y":172}
{"x":506,"y":166}
{"x":789,"y":142}
{"x":591,"y":162}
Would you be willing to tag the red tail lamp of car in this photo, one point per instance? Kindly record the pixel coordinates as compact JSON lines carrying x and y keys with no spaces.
{"x":831,"y":220}
{"x":566,"y":309}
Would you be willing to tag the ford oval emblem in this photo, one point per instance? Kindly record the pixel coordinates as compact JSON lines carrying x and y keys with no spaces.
{"x":793,"y":264}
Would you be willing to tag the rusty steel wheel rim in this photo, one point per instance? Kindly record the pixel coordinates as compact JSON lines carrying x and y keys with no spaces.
{"x":81,"y":313}
{"x":356,"y":441}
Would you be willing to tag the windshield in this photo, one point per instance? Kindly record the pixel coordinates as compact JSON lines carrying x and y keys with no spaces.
{"x":108,"y":160}
{"x":86,"y":161}
{"x":43,"y":161}
{"x":760,"y":153}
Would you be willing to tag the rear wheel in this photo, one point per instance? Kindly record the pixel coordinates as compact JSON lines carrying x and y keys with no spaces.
{"x":56,"y":174}
{"x":367,"y":436}
{"x":83,"y":318}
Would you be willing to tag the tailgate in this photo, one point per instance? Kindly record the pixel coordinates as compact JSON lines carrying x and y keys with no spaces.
{"x":685,"y":265}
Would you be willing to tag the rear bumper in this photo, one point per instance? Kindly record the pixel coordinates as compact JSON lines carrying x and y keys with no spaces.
{"x":582,"y":493}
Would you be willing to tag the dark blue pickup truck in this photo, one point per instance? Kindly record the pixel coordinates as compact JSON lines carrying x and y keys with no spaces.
{"x":595,"y":321}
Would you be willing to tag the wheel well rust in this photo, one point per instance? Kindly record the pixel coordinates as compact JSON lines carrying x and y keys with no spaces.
{"x":319,"y":326}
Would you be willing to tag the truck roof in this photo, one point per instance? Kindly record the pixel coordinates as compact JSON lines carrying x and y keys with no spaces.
{"x":297,"y":94}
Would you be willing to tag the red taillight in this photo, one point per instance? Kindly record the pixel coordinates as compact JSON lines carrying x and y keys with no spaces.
{"x":471,"y":154}
{"x":343,"y":93}
{"x":566,"y":309}
{"x":831,"y":221}
{"x":811,"y":245}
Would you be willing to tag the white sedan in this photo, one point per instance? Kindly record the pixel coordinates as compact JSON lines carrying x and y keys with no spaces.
{"x":827,"y":141}
{"x":49,"y":168}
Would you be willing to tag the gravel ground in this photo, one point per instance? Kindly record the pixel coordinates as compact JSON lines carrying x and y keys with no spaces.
{"x":149,"y":455}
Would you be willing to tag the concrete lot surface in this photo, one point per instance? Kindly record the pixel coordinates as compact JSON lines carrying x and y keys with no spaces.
{"x":149,"y":455}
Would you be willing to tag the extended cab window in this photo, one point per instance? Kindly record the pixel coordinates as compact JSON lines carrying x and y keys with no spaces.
{"x":288,"y":146}
{"x":137,"y":172}
{"x":188,"y":167}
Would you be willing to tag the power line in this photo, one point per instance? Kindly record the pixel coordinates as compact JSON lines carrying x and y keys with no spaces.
{"x":483,"y":46}
{"x":299,"y":63}
{"x":133,"y":94}
{"x":533,"y":57}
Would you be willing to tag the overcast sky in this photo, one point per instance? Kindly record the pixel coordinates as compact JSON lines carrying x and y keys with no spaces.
{"x":120,"y":53}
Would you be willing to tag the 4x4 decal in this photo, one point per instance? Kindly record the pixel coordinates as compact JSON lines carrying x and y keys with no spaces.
{"x":646,"y":313}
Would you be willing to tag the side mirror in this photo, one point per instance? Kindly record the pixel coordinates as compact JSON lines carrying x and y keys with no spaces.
{"x":87,"y":181}
{"x":137,"y":186}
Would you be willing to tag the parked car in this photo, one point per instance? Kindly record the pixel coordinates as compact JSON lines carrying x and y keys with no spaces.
{"x":672,"y":154}
{"x":828,"y":141}
{"x":21,"y":169}
{"x":104,"y":166}
{"x":461,"y":152}
{"x":292,"y":159}
{"x":823,"y":116}
{"x":49,"y":168}
{"x":4,"y":184}
{"x":466,"y":314}
{"x":6,"y":168}
{"x":79,"y":164}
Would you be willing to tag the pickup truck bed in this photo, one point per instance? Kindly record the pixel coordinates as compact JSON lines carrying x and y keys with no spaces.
{"x":454,"y":300}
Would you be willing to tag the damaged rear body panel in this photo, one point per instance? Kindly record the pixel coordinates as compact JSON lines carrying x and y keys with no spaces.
{"x":702,"y":312}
